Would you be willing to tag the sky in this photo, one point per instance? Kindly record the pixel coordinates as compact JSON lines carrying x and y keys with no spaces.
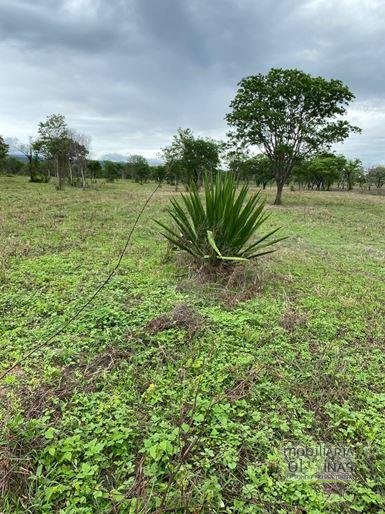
{"x":129,"y":73}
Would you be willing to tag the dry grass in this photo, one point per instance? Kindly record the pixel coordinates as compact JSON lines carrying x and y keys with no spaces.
{"x":182,"y":316}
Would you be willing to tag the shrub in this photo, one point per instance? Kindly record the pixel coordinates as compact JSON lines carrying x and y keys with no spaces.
{"x":39,"y":178}
{"x":222,"y":226}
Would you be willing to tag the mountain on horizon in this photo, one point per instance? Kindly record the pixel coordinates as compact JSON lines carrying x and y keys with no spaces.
{"x":117,"y":157}
{"x":18,"y":155}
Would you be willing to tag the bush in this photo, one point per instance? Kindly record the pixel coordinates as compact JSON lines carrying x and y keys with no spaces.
{"x":221,"y":228}
{"x":39,"y":178}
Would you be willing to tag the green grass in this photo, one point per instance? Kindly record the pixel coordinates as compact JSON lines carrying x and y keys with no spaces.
{"x":121,"y":413}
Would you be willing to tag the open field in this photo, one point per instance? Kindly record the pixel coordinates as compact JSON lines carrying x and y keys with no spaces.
{"x":175,"y":392}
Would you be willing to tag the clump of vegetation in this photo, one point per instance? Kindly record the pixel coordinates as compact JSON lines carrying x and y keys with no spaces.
{"x":222,"y":227}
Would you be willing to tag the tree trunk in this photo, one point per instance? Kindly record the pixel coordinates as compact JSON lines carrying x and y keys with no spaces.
{"x":278,"y":197}
{"x":30,"y":167}
{"x":59,"y":172}
{"x":83,"y":177}
{"x":70,"y":170}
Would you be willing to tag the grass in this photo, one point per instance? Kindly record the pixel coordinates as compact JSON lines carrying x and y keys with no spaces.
{"x":175,"y":392}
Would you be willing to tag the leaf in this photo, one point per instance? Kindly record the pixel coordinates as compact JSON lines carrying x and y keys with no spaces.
{"x":153,"y":451}
{"x":50,"y":433}
{"x":210,"y":238}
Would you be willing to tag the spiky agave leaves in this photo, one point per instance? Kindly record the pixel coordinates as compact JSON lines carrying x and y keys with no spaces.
{"x":221,"y":224}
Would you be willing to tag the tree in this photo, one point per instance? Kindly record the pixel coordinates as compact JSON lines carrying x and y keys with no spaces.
{"x":256,"y":167}
{"x":3,"y":149}
{"x":111,"y":170}
{"x":78,"y":149}
{"x":237,"y":162}
{"x":158,"y":173}
{"x":138,"y":168}
{"x":376,"y":176}
{"x":175,"y":171}
{"x":12,"y":165}
{"x":262,"y":170}
{"x":95,"y":169}
{"x":54,"y":142}
{"x":320,"y":171}
{"x":189,"y":156}
{"x":362,"y":179}
{"x":351,"y":171}
{"x":30,"y":152}
{"x":289,"y":114}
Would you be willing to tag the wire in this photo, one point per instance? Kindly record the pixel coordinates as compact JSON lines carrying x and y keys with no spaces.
{"x":38,"y":346}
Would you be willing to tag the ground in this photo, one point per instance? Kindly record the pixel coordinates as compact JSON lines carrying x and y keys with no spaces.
{"x":176,"y":391}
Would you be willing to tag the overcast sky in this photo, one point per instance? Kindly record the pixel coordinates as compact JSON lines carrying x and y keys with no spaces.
{"x":130,"y":72}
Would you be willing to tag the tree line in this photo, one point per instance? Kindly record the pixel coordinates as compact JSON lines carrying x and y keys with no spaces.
{"x":321,"y":172}
{"x":282,"y":127}
{"x":185,"y":161}
{"x":57,"y":150}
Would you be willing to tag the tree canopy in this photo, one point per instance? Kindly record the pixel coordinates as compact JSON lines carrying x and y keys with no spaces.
{"x":255,"y":167}
{"x":289,"y":114}
{"x":376,"y":176}
{"x":188,"y":157}
{"x":138,"y":168}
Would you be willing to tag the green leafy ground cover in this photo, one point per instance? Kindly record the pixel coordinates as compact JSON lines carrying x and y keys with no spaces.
{"x":176,"y":392}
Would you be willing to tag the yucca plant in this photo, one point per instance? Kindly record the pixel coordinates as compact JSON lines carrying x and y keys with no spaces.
{"x":222,"y":224}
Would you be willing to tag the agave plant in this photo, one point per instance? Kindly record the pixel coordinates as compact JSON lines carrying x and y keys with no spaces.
{"x":222,"y":224}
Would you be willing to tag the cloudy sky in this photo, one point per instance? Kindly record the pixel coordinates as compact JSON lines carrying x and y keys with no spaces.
{"x":130,"y":72}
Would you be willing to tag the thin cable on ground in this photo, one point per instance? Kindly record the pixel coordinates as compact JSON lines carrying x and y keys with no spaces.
{"x":38,"y":346}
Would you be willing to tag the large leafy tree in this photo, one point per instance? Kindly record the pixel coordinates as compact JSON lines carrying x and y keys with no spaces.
{"x":190,"y":157}
{"x":289,"y":114}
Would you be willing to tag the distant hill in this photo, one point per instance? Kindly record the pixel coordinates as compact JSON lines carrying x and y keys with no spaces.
{"x":19,"y":156}
{"x":117,"y":157}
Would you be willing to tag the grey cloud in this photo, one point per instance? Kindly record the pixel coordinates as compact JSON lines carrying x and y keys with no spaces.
{"x":48,"y":24}
{"x":130,"y":72}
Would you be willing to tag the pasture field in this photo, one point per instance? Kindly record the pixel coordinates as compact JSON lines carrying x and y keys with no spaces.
{"x":177,"y":391}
